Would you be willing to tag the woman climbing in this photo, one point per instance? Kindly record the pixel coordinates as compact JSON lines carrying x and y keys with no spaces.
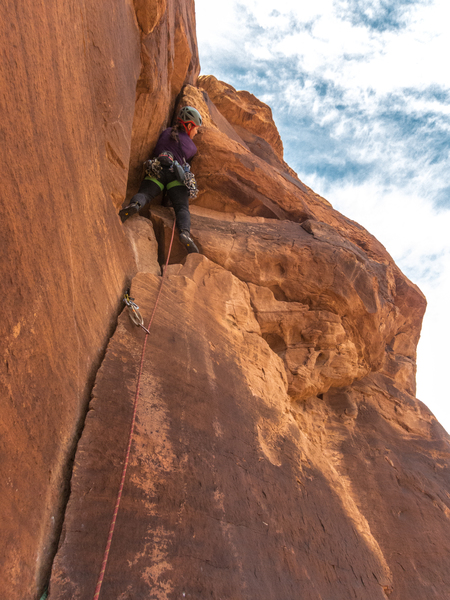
{"x":169,"y":169}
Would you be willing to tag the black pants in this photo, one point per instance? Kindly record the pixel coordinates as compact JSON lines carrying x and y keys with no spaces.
{"x":178,"y":196}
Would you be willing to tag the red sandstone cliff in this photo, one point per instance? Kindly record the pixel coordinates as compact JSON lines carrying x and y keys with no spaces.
{"x":279,"y":451}
{"x":77,"y":82}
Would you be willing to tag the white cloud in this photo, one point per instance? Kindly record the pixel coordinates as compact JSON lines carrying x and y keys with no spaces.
{"x":432,"y":352}
{"x":393,"y":59}
{"x":401,"y":220}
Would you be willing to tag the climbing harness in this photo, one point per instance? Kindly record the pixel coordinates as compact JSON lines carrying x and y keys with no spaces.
{"x":154,"y":167}
{"x":133,"y":311}
{"x":133,"y":420}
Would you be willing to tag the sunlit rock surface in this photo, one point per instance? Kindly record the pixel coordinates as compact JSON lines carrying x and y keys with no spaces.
{"x":250,"y":117}
{"x":70,"y":75}
{"x":235,"y":490}
{"x":279,"y":451}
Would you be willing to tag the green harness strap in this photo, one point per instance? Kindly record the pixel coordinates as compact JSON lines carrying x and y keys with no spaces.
{"x":174,"y":184}
{"x":168,"y":186}
{"x":158,"y":183}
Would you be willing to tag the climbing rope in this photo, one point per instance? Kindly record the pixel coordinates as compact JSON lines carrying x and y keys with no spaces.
{"x":130,"y":437}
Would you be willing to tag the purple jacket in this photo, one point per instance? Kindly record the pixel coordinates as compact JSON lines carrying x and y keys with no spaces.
{"x":183,"y":151}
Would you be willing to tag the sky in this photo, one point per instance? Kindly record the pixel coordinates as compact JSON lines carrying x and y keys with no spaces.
{"x":360,"y":93}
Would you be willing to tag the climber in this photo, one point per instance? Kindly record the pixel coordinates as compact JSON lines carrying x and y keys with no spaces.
{"x":169,"y":168}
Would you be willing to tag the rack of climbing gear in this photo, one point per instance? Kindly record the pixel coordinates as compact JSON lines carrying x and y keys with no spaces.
{"x":133,"y":311}
{"x":191,"y":184}
{"x":153,"y":168}
{"x":135,"y":308}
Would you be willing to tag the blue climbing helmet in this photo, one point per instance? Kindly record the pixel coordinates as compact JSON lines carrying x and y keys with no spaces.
{"x":189,"y":114}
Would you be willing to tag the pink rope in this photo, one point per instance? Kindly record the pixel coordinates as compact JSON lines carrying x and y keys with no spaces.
{"x":130,"y":437}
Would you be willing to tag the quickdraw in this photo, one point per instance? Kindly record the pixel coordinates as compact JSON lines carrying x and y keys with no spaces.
{"x":133,"y":311}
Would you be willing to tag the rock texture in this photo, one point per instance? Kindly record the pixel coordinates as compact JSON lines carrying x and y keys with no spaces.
{"x":169,"y":60}
{"x":251,"y":118}
{"x":236,"y":491}
{"x":279,"y":450}
{"x":69,"y":78}
{"x":143,"y":242}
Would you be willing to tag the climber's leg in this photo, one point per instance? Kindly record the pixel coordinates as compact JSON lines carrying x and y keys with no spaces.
{"x":150,"y":188}
{"x":187,"y":241}
{"x":179,"y":197}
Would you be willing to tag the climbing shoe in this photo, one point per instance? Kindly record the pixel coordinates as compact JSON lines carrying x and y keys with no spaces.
{"x":129,"y":210}
{"x":186,"y":240}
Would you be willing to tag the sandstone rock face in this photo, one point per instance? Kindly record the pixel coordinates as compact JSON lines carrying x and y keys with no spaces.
{"x":70,"y":76}
{"x":143,"y":242}
{"x":249,"y":116}
{"x":236,"y":491}
{"x":324,"y":307}
{"x":169,"y":60}
{"x":279,"y":451}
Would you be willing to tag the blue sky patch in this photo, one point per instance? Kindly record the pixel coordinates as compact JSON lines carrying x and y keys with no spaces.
{"x":442,"y":199}
{"x":378,"y":15}
{"x":336,"y":133}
